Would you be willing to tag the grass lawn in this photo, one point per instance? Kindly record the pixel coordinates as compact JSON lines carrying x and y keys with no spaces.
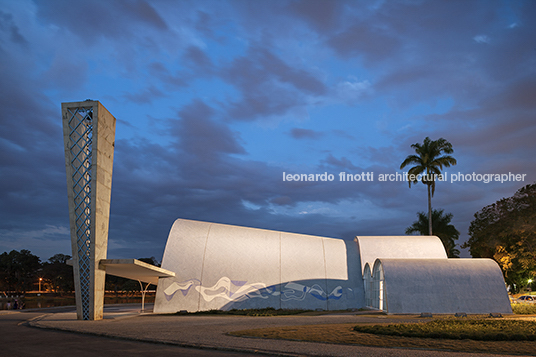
{"x":478,"y":329}
{"x":489,"y":335}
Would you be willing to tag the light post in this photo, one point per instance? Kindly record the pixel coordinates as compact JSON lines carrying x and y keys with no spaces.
{"x":40,"y":279}
{"x":530,"y":286}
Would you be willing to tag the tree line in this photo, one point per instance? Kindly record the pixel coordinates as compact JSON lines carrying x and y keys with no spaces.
{"x":22,"y":271}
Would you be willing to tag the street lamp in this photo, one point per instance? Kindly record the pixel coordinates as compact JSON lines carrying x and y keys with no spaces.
{"x":529,"y":286}
{"x":40,"y":279}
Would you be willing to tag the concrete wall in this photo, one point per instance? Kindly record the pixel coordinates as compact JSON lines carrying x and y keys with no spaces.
{"x":474,"y":286}
{"x":224,"y":267}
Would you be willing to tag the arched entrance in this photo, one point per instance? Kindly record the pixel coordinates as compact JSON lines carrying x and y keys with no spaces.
{"x":377,"y":291}
{"x":367,"y":281}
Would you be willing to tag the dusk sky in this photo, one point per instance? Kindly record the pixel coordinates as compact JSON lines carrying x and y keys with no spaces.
{"x":215,"y":100}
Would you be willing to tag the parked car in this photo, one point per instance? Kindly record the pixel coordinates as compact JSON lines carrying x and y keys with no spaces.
{"x":526,"y":299}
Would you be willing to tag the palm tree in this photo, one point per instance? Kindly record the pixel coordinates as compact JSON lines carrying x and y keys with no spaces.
{"x":442,"y":228}
{"x":429,"y":161}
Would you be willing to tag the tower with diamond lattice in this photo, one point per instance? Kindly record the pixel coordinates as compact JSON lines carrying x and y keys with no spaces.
{"x":89,"y":135}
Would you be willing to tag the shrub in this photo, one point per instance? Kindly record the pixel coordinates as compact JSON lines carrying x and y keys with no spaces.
{"x":524,"y":309}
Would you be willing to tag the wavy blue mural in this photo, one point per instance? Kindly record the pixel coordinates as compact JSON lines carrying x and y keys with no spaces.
{"x":238,"y":290}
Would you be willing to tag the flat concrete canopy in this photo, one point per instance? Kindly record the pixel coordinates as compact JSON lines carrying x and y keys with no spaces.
{"x":134,"y":269}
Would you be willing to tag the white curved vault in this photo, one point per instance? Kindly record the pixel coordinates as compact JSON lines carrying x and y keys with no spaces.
{"x":220,"y":266}
{"x":225,"y":267}
{"x":473,"y":286}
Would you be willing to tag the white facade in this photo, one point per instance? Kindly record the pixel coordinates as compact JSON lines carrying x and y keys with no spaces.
{"x":226,"y":267}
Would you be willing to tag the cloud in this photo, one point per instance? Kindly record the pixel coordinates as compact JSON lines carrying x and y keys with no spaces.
{"x":202,"y":137}
{"x":67,"y":73}
{"x":300,"y":133}
{"x":352,"y":91}
{"x":342,"y":163}
{"x":8,"y":26}
{"x":47,"y":241}
{"x":160,"y":71}
{"x":268,"y":85}
{"x":146,"y":96}
{"x":518,"y":96}
{"x":372,"y":43}
{"x":321,"y":15}
{"x":95,"y":19}
{"x":299,"y":78}
{"x":203,"y":23}
{"x":481,"y":39}
{"x":195,"y":57}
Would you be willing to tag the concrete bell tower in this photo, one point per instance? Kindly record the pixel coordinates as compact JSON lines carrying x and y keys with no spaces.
{"x":89,"y":136}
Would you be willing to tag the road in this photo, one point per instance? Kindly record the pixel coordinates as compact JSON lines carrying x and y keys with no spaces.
{"x":17,"y":339}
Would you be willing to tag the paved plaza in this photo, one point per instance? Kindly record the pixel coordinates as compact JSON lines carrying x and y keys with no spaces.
{"x":208,"y":334}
